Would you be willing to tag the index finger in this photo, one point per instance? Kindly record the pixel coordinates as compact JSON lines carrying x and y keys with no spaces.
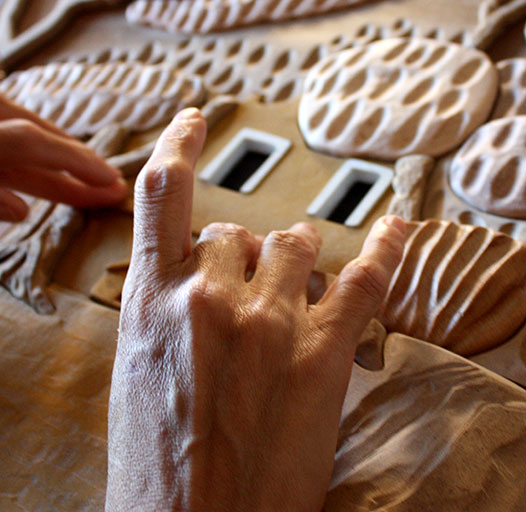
{"x":163,"y":193}
{"x":11,"y":110}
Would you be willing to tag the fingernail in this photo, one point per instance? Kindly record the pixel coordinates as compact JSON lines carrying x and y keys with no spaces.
{"x":310,"y":231}
{"x":11,"y":214}
{"x":189,"y":113}
{"x":116,"y":172}
{"x":123,"y":184}
{"x":395,"y":222}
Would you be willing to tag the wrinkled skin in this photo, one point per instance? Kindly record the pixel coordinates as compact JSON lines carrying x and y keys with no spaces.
{"x":227,"y":385}
{"x":40,"y":160}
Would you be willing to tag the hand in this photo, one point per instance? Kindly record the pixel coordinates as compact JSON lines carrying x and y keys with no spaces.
{"x":35,"y":154}
{"x":227,"y":393}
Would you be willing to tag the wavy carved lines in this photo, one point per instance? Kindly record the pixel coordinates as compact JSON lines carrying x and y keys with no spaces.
{"x":460,"y":287}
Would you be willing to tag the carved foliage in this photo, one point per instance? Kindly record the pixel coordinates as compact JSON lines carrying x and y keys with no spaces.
{"x":460,"y":287}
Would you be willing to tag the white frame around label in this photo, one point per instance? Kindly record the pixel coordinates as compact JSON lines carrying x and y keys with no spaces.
{"x":247,"y":139}
{"x":353,"y":170}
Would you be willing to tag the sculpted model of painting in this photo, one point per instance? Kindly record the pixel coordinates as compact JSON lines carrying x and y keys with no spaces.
{"x":330,"y":112}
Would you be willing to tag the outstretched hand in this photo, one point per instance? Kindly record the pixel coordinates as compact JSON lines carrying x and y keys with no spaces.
{"x":228,"y":386}
{"x":40,"y":160}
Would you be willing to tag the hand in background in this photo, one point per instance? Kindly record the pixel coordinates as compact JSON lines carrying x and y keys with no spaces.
{"x":227,"y":393}
{"x":40,"y":160}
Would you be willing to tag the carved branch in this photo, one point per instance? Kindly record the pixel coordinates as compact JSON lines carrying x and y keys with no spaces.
{"x":30,"y":252}
{"x":17,"y":47}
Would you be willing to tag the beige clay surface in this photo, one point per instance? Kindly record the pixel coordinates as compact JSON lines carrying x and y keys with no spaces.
{"x":426,"y":430}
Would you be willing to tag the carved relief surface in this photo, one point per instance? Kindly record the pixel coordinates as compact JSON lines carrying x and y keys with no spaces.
{"x":14,"y":45}
{"x":201,"y":16}
{"x":396,"y":97}
{"x":511,"y":100}
{"x":29,"y":252}
{"x":460,"y":287}
{"x":82,"y":98}
{"x":430,"y":431}
{"x":489,"y":171}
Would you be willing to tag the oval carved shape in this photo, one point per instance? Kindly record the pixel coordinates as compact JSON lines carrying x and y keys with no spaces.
{"x":405,"y":77}
{"x":459,"y":287}
{"x":496,"y":182}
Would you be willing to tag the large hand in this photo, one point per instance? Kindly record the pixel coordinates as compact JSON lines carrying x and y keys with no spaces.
{"x":227,"y":392}
{"x":33,"y":156}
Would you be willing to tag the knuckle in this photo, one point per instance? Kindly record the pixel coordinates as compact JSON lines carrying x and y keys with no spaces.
{"x":391,"y":245}
{"x":367,"y":279}
{"x":265,"y":313}
{"x":162,"y":180}
{"x":201,"y":293}
{"x":228,"y":230}
{"x":292,"y":243}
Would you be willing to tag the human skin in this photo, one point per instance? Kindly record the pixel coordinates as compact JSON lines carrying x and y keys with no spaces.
{"x":41,"y":160}
{"x":228,"y":386}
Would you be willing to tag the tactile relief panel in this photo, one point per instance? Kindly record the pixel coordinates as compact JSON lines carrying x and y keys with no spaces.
{"x":236,"y":67}
{"x":460,"y":287}
{"x":489,"y":171}
{"x":81,"y":98}
{"x":396,"y":97}
{"x":512,"y":89}
{"x":202,"y":16}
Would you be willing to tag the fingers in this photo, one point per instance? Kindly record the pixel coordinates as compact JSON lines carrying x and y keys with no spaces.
{"x":229,"y":247}
{"x":354,"y":297}
{"x":10,"y":110}
{"x":62,"y":188}
{"x":12,"y":207}
{"x":27,"y":144}
{"x":286,"y":260}
{"x":163,"y":193}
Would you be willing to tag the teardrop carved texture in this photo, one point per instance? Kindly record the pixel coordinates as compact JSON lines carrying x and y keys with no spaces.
{"x":459,"y":287}
{"x":433,"y":95}
{"x":81,"y":98}
{"x":203,"y":16}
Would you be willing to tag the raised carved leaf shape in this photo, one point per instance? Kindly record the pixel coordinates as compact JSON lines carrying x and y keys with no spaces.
{"x":460,"y":287}
{"x":81,"y":98}
{"x":201,"y":16}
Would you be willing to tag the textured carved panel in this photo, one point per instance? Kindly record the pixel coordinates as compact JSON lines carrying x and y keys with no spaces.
{"x":201,"y":16}
{"x":396,"y":97}
{"x":29,"y":252}
{"x":460,"y":287}
{"x":14,"y":46}
{"x":489,"y":171}
{"x":82,"y":98}
{"x":511,"y":100}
